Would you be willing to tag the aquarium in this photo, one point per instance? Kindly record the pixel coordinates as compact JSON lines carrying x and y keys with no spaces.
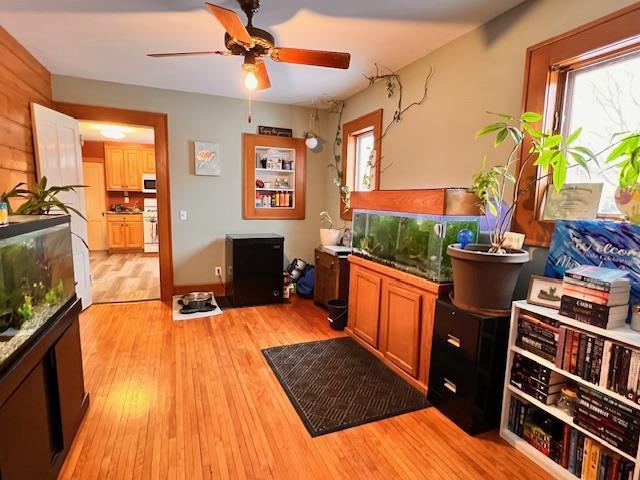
{"x":36,"y":277}
{"x":412,"y":243}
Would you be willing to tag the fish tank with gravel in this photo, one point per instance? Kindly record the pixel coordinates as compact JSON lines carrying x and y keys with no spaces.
{"x":409,"y":242}
{"x":36,"y":278}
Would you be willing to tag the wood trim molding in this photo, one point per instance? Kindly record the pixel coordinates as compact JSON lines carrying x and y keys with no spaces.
{"x":217,"y":289}
{"x":613,"y":34}
{"x":431,"y":201}
{"x":161,"y":140}
{"x":418,"y":282}
{"x":249,"y":143}
{"x":369,"y":122}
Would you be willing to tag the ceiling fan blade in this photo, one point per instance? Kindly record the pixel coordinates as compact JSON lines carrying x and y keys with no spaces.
{"x":231,"y":23}
{"x":262,"y":75}
{"x":186,"y":54}
{"x":311,"y":57}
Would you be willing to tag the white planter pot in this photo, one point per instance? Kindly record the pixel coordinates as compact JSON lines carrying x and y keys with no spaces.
{"x":329,"y":236}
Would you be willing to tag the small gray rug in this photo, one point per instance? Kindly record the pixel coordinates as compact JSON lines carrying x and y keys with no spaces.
{"x":337,"y":384}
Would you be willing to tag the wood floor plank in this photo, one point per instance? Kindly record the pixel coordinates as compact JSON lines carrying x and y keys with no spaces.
{"x":197,"y":400}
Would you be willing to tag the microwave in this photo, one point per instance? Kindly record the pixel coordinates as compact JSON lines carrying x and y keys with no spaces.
{"x":149,"y":182}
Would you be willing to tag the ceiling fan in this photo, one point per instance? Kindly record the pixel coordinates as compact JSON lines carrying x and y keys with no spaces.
{"x":253,"y":43}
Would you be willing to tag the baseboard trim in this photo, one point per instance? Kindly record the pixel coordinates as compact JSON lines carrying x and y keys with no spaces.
{"x":216,"y":288}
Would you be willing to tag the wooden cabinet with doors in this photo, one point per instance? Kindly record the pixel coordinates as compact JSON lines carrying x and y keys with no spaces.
{"x":331,"y":277}
{"x":124,"y":165}
{"x":125,"y":232}
{"x":391,"y":313}
{"x":364,"y":304}
{"x":401,"y":318}
{"x":148,"y":160}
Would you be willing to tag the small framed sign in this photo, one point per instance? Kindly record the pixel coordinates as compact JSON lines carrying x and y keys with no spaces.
{"x":275,"y":131}
{"x":576,"y":201}
{"x":545,"y":291}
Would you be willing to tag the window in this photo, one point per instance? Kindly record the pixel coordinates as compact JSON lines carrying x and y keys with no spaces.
{"x":363,"y":161}
{"x":361,"y":154}
{"x":603,"y":99}
{"x":582,"y":78}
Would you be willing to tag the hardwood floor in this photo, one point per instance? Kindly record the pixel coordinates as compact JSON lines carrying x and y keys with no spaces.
{"x":196,"y":399}
{"x":124,"y":277}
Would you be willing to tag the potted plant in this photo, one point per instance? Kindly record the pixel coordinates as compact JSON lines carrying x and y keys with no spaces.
{"x":485,"y":275}
{"x":328,"y":236}
{"x":40,"y":200}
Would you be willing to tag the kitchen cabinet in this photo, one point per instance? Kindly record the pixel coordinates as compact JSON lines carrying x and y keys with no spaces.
{"x":401,"y":316}
{"x":114,"y":168}
{"x":391,"y":314}
{"x":133,"y":168}
{"x":124,"y":165}
{"x":332,"y":277}
{"x":148,"y":160}
{"x":125,"y":232}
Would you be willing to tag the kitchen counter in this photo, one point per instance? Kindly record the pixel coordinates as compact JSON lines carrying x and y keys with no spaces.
{"x":123,"y":212}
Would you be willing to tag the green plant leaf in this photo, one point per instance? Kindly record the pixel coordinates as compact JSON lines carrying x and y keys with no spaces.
{"x":530,"y":117}
{"x":573,"y":137}
{"x":501,"y":136}
{"x":490,"y":128}
{"x":560,"y":171}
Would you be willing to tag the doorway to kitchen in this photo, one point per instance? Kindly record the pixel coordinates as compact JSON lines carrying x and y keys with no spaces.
{"x":122,"y":216}
{"x":157,"y":122}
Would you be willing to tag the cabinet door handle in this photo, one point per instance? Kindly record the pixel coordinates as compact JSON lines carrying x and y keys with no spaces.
{"x":451,"y":340}
{"x":449,"y":385}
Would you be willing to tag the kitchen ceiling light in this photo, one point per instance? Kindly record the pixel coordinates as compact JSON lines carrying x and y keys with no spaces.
{"x":112,"y":132}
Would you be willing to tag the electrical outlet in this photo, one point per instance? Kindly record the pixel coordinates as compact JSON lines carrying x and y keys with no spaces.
{"x":183,"y":215}
{"x":218,"y":271}
{"x":126,"y":199}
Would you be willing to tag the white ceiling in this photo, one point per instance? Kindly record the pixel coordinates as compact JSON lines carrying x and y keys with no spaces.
{"x":108,"y":39}
{"x":103,"y":132}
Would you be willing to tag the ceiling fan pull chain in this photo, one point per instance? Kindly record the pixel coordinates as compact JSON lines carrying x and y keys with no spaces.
{"x":249,"y":116}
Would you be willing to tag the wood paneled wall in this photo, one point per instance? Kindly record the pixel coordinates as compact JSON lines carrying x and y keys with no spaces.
{"x":22,"y":80}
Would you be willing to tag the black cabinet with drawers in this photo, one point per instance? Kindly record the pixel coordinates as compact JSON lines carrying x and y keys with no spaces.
{"x":468,"y":358}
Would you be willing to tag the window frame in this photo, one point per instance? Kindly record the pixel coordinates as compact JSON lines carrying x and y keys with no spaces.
{"x":546,"y":67}
{"x":371,"y":122}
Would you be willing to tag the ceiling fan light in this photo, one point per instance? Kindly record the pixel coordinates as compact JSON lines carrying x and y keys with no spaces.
{"x":250,"y":81}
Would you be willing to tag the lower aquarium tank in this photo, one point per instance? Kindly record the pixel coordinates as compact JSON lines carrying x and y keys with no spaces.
{"x":36,"y":277}
{"x":409,"y":242}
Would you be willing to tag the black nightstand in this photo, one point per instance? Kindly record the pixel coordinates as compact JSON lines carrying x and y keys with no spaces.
{"x":468,"y":359}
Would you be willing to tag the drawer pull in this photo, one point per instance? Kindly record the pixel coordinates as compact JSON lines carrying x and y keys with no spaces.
{"x":449,"y":385}
{"x":451,"y":340}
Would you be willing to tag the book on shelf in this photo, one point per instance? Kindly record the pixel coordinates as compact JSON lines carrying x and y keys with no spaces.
{"x":608,"y":419}
{"x":602,"y":316}
{"x":606,"y":278}
{"x":581,"y":455}
{"x":538,"y":336}
{"x":600,"y":298}
{"x":540,"y":382}
{"x":595,"y":286}
{"x":600,"y":361}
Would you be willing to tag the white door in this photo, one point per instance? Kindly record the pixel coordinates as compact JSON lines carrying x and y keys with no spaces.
{"x":59,"y":158}
{"x":94,"y":195}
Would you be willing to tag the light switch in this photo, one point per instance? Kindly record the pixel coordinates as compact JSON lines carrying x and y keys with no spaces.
{"x":183,"y":214}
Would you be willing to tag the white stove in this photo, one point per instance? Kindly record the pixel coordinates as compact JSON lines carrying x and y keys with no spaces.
{"x":150,"y":218}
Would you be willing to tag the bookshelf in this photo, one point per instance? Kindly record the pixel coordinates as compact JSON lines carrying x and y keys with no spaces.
{"x":274,"y":177}
{"x":622,"y":335}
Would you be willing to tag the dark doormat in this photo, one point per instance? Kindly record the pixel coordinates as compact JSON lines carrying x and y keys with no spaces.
{"x":337,"y":384}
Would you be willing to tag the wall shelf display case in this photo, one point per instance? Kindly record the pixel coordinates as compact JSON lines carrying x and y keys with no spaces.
{"x":595,"y":423}
{"x":274,"y":177}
